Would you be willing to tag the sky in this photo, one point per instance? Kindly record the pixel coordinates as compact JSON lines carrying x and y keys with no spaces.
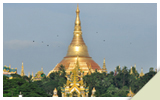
{"x":129,"y":31}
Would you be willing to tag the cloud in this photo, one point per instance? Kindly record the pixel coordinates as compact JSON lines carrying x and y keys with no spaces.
{"x":18,"y":44}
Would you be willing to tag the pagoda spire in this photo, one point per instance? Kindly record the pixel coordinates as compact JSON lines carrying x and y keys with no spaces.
{"x":141,"y":70}
{"x":22,"y":70}
{"x":135,"y":66}
{"x":131,"y":72}
{"x":42,"y":69}
{"x":28,"y":74}
{"x":77,"y":45}
{"x":75,"y":72}
{"x":104,"y":69}
{"x":32,"y":75}
{"x":141,"y":74}
{"x":77,"y":21}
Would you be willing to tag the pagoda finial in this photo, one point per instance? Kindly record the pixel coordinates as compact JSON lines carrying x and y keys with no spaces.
{"x":104,"y":69}
{"x":28,"y":74}
{"x":77,"y":11}
{"x":141,"y":70}
{"x":77,"y":21}
{"x":42,"y":69}
{"x":135,"y":66}
{"x":22,"y":70}
{"x":32,"y":75}
{"x":55,"y":90}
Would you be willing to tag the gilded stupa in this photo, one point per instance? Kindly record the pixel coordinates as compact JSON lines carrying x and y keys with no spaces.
{"x":78,"y":48}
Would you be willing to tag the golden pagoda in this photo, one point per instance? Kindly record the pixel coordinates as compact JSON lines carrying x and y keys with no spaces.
{"x":93,"y":92}
{"x":131,"y":71}
{"x":130,"y":94}
{"x":75,"y":86}
{"x":77,"y":47}
{"x":22,"y":70}
{"x":141,"y":74}
{"x":55,"y":93}
{"x":104,"y":69}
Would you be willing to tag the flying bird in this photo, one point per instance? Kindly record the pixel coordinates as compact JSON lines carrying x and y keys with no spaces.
{"x":33,"y":40}
{"x":47,"y":45}
{"x":103,"y":40}
{"x":42,"y":41}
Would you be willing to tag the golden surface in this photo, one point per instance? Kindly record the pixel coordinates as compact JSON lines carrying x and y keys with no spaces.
{"x":131,"y":72}
{"x":104,"y":69}
{"x":76,"y":48}
{"x":55,"y":93}
{"x":28,"y":74}
{"x":38,"y":75}
{"x":141,"y":74}
{"x":75,"y":83}
{"x":22,"y":70}
{"x":93,"y":92}
{"x":130,"y":94}
{"x":55,"y":90}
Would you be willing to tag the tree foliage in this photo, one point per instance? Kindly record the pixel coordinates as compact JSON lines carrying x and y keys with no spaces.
{"x":106,"y":85}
